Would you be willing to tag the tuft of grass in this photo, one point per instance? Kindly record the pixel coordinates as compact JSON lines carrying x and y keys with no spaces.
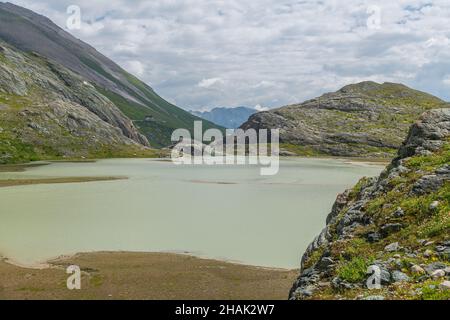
{"x":353,"y":271}
{"x":431,"y":162}
{"x":358,"y":187}
{"x":431,"y":291}
{"x":314,"y":258}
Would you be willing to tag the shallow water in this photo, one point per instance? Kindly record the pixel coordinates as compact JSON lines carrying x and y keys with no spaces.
{"x":223,"y":212}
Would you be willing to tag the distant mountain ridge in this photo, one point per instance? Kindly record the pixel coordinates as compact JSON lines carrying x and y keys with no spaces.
{"x":154,"y":117}
{"x":230,"y":118}
{"x":367,"y":119}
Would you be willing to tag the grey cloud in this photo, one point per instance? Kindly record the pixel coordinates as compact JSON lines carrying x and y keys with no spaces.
{"x":296,"y":49}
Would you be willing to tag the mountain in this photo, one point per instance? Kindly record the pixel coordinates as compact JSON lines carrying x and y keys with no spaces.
{"x":230,"y":118}
{"x":47,"y":112}
{"x":398,"y":224}
{"x":36,"y":37}
{"x":360,"y":120}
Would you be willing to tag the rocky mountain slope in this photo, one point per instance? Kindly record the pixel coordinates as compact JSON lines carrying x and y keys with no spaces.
{"x":230,"y":118}
{"x":399,"y":222}
{"x":47,"y":111}
{"x":154,"y":117}
{"x":360,"y":120}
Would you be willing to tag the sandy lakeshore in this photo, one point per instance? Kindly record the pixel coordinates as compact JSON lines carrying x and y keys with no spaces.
{"x":126,"y":275}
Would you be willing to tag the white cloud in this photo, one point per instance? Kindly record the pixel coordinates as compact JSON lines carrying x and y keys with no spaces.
{"x":207,"y":83}
{"x":134,"y":67}
{"x":446,"y":80}
{"x":260,"y":108}
{"x":271,"y":52}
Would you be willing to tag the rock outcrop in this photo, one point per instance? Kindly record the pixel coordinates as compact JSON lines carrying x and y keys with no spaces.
{"x":398,"y":223}
{"x":360,"y":120}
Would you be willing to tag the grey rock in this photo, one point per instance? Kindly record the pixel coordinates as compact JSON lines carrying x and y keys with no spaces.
{"x":398,"y":276}
{"x":434,"y":205}
{"x":427,"y":184}
{"x":305,"y":292}
{"x":437,"y":274}
{"x":445,"y":285}
{"x":392,"y":247}
{"x":320,"y":241}
{"x":445,"y":254}
{"x":339,"y":284}
{"x":373,"y":237}
{"x":390,"y":228}
{"x":443,"y":170}
{"x":435,"y":266}
{"x":423,"y":135}
{"x":374,"y":298}
{"x":339,"y":204}
{"x":417,"y":269}
{"x":398,"y":213}
{"x":325,"y":263}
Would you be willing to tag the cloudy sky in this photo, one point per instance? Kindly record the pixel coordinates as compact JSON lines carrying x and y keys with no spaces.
{"x":201,"y":54}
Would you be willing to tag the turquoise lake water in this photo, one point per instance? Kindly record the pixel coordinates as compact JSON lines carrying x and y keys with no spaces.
{"x":222,"y":212}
